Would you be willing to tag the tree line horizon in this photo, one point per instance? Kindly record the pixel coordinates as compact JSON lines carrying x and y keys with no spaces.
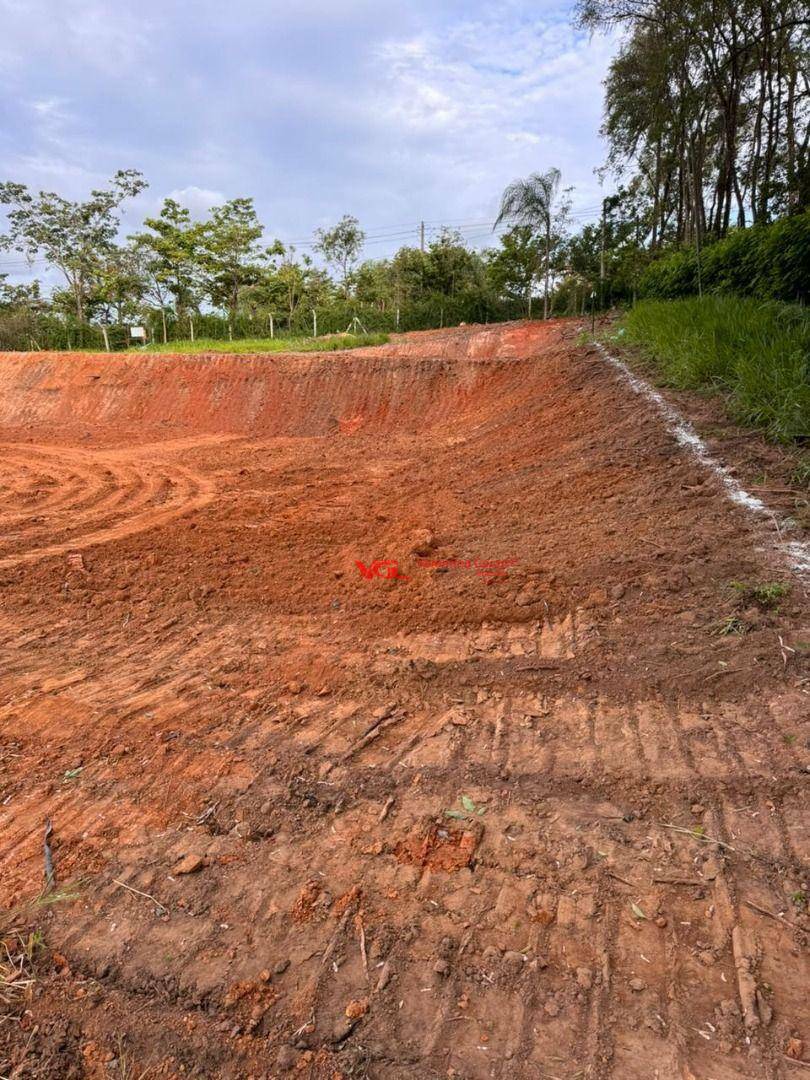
{"x":707,"y":124}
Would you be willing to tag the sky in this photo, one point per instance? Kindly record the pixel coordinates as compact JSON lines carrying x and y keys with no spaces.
{"x":395,"y":112}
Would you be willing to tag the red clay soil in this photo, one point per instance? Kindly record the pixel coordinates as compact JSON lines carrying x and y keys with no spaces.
{"x":434,"y":818}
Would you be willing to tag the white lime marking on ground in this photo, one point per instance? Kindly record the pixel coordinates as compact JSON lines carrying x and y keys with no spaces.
{"x":797,"y":552}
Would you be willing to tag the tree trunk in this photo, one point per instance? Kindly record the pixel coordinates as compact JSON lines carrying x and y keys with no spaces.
{"x":548,"y":259}
{"x":165,"y":328}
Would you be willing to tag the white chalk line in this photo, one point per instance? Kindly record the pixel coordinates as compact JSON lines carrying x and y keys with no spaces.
{"x":796,"y":552}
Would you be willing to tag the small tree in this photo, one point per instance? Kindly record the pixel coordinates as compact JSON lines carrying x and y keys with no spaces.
{"x":75,"y":237}
{"x":531,"y":203}
{"x":341,"y":247}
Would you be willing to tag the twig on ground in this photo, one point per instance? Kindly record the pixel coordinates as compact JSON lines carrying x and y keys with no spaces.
{"x":624,"y":881}
{"x":385,"y":810}
{"x":305,"y":1025}
{"x":785,"y":649}
{"x":796,"y":1061}
{"x":723,"y":671}
{"x":772,"y":915}
{"x":361,"y":933}
{"x":145,"y":895}
{"x":206,"y":814}
{"x":701,"y":836}
{"x":646,"y":540}
{"x":678,"y":881}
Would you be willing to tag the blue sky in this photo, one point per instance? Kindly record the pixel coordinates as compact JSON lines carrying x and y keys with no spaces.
{"x":391,"y":111}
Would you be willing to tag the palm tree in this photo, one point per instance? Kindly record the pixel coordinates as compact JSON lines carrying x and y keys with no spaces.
{"x":530,"y":202}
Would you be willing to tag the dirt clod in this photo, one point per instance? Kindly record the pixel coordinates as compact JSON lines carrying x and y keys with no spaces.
{"x":357,"y":1008}
{"x":189,"y":864}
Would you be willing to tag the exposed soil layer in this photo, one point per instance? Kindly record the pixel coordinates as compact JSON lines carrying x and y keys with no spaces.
{"x":526,"y":799}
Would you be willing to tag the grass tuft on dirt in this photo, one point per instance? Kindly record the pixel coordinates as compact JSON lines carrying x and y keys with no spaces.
{"x":331,"y":343}
{"x":755,"y":353}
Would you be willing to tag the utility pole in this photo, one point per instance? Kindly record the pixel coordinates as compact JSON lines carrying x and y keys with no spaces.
{"x":422,"y":237}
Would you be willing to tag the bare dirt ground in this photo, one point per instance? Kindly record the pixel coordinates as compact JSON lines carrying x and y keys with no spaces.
{"x":453,"y":823}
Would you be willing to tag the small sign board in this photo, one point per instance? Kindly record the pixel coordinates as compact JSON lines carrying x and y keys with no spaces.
{"x":137,"y":332}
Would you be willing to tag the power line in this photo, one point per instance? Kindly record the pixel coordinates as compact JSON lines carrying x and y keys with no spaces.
{"x":379,"y":235}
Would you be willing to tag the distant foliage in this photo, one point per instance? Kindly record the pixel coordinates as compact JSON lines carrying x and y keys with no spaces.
{"x":768,"y":261}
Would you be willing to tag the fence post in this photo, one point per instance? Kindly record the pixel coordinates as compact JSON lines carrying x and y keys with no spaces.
{"x":314,"y":323}
{"x":271,"y":328}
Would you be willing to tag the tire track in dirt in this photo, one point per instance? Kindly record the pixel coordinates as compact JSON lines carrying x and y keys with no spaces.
{"x":103,"y":497}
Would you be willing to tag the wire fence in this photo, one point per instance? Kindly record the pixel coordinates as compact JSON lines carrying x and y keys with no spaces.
{"x":30,"y":331}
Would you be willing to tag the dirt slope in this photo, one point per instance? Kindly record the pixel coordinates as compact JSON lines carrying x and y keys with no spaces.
{"x":455,"y":822}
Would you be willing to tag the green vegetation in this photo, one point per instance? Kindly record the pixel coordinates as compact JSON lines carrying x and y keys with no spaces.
{"x":800,"y":475}
{"x":706,"y":113}
{"x":767,"y":261}
{"x":766,"y":595}
{"x":532,"y":205}
{"x":216,"y":279}
{"x":756,"y":353}
{"x":271,"y":345}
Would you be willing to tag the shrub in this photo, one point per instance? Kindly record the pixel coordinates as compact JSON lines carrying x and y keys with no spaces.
{"x":768,"y":261}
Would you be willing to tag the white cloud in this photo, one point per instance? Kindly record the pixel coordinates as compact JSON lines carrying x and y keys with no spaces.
{"x":196,"y":199}
{"x":499,"y":96}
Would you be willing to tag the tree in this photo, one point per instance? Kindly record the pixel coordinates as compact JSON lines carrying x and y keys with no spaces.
{"x":341,"y":247}
{"x":374,"y":283}
{"x":708,"y":103}
{"x":119,"y":288}
{"x":513,"y":266}
{"x":153,"y":283}
{"x":530,"y":203}
{"x":173,"y":251}
{"x":450,"y":267}
{"x":229,"y":255}
{"x":75,"y":237}
{"x":286,"y":284}
{"x":22,"y":312}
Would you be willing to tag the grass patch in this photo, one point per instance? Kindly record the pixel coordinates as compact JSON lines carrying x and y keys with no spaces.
{"x":755,"y":353}
{"x":800,"y":474}
{"x":765,"y":596}
{"x":331,"y":343}
{"x":21,"y":946}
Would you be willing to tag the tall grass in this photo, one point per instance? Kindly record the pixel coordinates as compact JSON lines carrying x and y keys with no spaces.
{"x":756,"y":353}
{"x":268,"y":345}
